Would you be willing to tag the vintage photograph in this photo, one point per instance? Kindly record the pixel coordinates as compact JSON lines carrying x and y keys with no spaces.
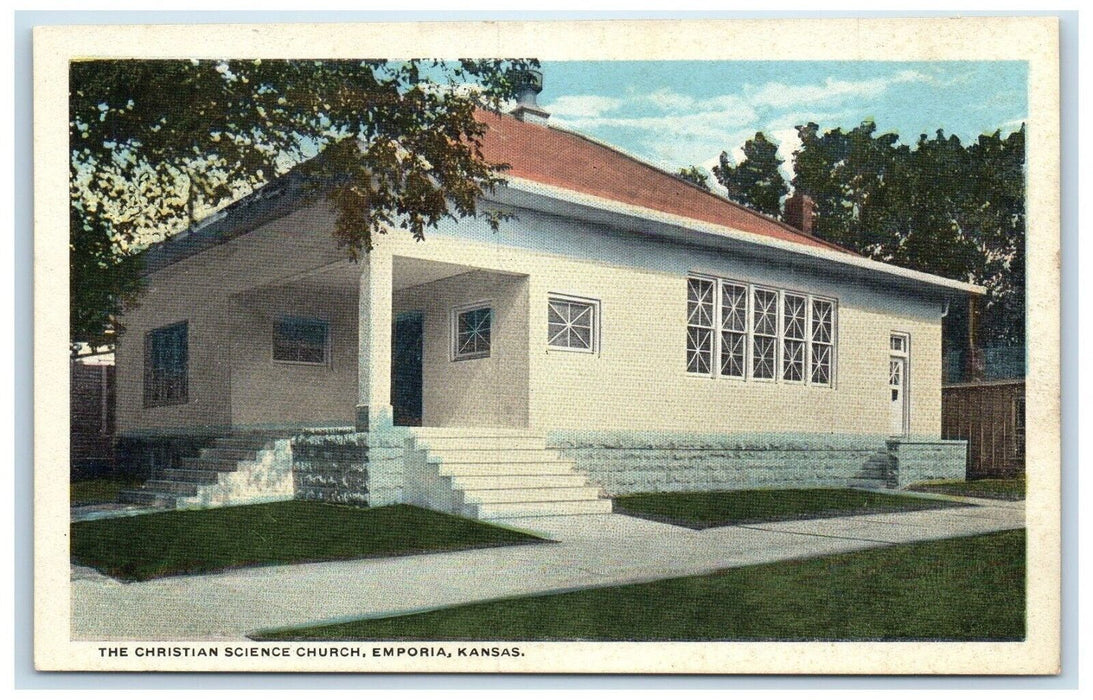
{"x":537,"y":360}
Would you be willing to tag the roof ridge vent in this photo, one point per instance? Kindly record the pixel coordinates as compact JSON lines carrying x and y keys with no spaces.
{"x":528,"y":86}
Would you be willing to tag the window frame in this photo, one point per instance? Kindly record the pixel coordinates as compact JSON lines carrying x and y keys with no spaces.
{"x":715,"y":323}
{"x":297,"y":317}
{"x":719,"y":329}
{"x":594,"y":339}
{"x":453,"y":330}
{"x":803,"y":339}
{"x":150,"y":398}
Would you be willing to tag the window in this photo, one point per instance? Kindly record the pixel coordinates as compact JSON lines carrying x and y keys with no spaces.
{"x":471,"y":330}
{"x":734,"y":330}
{"x":572,"y":323}
{"x":764,"y":345}
{"x":794,"y":308}
{"x":301,"y":340}
{"x":823,"y":341}
{"x":166,"y":365}
{"x":700,"y":308}
{"x":759,"y":333}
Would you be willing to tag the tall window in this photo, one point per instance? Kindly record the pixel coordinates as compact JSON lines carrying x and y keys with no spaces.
{"x":166,"y":365}
{"x":734,"y":330}
{"x":302,"y":340}
{"x":764,"y":332}
{"x":794,"y":343}
{"x":700,"y":324}
{"x":472,"y":328}
{"x":823,"y":341}
{"x":759,"y":333}
{"x":572,"y":323}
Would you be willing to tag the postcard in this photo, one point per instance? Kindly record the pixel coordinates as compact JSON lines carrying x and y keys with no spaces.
{"x":693,"y":347}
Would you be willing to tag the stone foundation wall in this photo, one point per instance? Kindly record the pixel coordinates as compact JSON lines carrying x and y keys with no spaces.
{"x":630,"y":462}
{"x":350,"y":467}
{"x":928,"y":460}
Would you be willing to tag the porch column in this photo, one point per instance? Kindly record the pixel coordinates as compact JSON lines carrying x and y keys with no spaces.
{"x":374,"y":342}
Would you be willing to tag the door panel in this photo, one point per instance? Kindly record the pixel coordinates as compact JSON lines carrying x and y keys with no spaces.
{"x":406,"y":362}
{"x":897,"y":387}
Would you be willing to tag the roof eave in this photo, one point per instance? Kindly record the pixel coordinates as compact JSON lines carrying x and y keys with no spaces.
{"x":725,"y":232}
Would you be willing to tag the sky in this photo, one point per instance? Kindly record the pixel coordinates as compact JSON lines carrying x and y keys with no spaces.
{"x":675,"y":114}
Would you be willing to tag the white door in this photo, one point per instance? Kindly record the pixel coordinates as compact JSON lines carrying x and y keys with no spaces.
{"x":897,"y":384}
{"x":897,"y":379}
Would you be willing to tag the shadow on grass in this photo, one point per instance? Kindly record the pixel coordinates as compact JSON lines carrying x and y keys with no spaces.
{"x":151,"y":546}
{"x":699,"y":510}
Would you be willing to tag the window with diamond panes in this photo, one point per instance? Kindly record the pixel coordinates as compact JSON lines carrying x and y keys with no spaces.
{"x":794,"y":321}
{"x":700,"y":325}
{"x":764,"y":348}
{"x":571,"y":324}
{"x":823,"y":333}
{"x":472,"y":329}
{"x":734,"y":330}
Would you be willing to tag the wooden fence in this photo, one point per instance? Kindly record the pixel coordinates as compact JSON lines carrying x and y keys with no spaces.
{"x":91,"y":417}
{"x":991,"y":417}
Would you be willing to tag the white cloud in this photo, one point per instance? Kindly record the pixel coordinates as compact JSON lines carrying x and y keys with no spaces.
{"x":788,"y":142}
{"x":781,"y":95}
{"x":670,"y":101}
{"x":675,"y":130}
{"x":582,"y":105}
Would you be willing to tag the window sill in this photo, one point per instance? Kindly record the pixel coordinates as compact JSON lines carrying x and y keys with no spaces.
{"x":463,"y":358}
{"x":579,"y":351}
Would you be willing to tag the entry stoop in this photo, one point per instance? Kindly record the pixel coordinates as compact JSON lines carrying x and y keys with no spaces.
{"x":876,"y":473}
{"x":492,"y":473}
{"x":235,"y":470}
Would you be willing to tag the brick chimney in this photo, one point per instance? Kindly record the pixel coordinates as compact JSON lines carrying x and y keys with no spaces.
{"x":800,"y":212}
{"x":529,"y":85}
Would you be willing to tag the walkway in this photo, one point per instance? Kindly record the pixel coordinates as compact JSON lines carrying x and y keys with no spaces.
{"x":590,"y":550}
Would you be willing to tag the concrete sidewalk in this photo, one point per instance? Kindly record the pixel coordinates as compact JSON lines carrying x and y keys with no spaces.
{"x":590,"y":550}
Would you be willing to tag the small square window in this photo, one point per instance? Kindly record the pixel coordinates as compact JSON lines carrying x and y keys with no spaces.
{"x":472,"y":329}
{"x":302,"y":340}
{"x":573,"y":323}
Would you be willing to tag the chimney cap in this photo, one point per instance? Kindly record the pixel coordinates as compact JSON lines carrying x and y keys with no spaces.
{"x":528,"y":85}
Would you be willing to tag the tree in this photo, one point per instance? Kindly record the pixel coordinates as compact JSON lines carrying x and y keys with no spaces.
{"x":941,"y":207}
{"x":390,"y":144}
{"x":756,"y":182}
{"x":852,"y":178}
{"x":696,"y":176}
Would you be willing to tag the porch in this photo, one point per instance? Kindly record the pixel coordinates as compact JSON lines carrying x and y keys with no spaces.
{"x":391,"y":341}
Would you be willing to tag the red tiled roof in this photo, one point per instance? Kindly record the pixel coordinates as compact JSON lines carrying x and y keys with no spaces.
{"x":567,"y":160}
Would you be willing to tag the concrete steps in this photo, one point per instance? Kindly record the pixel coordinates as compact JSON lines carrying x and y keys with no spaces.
{"x":214,"y":477}
{"x":490,"y":473}
{"x":875,"y":473}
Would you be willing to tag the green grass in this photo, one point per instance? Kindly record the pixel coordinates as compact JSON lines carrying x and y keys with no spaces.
{"x":1000,"y":489}
{"x":199,"y":541}
{"x":969,"y":588}
{"x":100,"y":490}
{"x":703,"y":509}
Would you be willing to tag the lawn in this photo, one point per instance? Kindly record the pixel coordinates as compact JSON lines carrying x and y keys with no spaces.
{"x":1000,"y":489}
{"x":705,"y":509}
{"x":200,"y":541}
{"x":100,"y":490}
{"x":969,"y":588}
